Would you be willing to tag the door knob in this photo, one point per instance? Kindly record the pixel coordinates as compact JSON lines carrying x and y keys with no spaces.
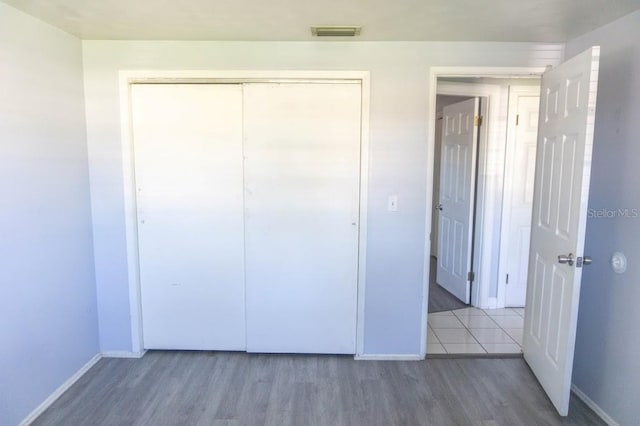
{"x":566,"y":259}
{"x":439,"y":207}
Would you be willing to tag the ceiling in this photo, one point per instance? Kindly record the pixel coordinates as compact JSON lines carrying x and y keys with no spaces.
{"x":289,"y":20}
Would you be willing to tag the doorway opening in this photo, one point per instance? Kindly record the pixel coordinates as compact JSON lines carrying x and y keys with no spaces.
{"x":561,"y":176}
{"x":484,"y":167}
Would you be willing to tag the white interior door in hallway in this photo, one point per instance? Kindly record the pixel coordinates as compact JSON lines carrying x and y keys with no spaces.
{"x":524,"y":104}
{"x":457,"y":191}
{"x":188,"y":165}
{"x":302,"y":168}
{"x":563,"y":170}
{"x":248,"y":210}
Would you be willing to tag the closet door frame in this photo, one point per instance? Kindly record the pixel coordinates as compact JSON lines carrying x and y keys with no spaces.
{"x":129,"y":77}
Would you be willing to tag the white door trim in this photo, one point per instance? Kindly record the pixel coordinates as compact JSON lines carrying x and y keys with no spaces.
{"x":128,"y":77}
{"x":433,"y":74}
{"x":514,"y":93}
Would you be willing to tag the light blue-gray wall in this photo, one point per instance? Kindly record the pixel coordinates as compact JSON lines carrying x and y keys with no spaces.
{"x":399,"y":158}
{"x":607,"y":363}
{"x":48,"y":318}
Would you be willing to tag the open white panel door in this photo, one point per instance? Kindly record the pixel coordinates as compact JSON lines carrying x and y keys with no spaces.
{"x":563,"y":170}
{"x":188,"y":168}
{"x":302,"y":177}
{"x":457,"y":189}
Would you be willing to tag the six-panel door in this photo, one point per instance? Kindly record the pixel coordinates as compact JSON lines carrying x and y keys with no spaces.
{"x":563,"y":171}
{"x":457,"y":189}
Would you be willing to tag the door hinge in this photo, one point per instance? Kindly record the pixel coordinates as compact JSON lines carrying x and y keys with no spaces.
{"x":477,"y":120}
{"x":471,"y":276}
{"x":507,"y":282}
{"x":517,"y":119}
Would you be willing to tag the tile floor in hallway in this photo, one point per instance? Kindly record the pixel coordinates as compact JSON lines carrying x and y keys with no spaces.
{"x":476,"y":331}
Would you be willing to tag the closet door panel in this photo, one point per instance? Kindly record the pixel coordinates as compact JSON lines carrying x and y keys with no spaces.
{"x":302,"y":166}
{"x":188,"y":164}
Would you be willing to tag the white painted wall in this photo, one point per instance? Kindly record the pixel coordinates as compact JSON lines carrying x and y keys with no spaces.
{"x":48,"y":318}
{"x":606,"y":366}
{"x":400,"y":162}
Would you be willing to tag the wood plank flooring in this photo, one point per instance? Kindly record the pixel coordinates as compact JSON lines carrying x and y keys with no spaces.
{"x":221,"y":388}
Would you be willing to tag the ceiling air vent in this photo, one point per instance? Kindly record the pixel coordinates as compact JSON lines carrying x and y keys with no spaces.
{"x":335,"y":31}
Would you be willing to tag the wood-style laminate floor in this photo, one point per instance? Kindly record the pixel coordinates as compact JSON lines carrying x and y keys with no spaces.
{"x":219,"y":388}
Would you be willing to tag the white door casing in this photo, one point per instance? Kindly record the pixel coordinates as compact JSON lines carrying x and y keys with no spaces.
{"x":302,"y":167}
{"x":457,"y":191}
{"x":524,"y":104}
{"x":188,"y":170}
{"x":563,"y":169}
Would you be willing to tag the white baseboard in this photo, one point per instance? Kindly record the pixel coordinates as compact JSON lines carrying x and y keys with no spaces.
{"x":58,"y":392}
{"x":123,"y":354}
{"x":595,"y":407}
{"x":390,"y":357}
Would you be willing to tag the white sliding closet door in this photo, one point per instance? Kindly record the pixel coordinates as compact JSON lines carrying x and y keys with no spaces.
{"x":302,"y":163}
{"x":188,"y":163}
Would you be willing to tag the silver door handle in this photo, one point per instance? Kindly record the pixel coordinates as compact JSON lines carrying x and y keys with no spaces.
{"x":566,"y":259}
{"x":439,"y":207}
{"x":583,"y":261}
